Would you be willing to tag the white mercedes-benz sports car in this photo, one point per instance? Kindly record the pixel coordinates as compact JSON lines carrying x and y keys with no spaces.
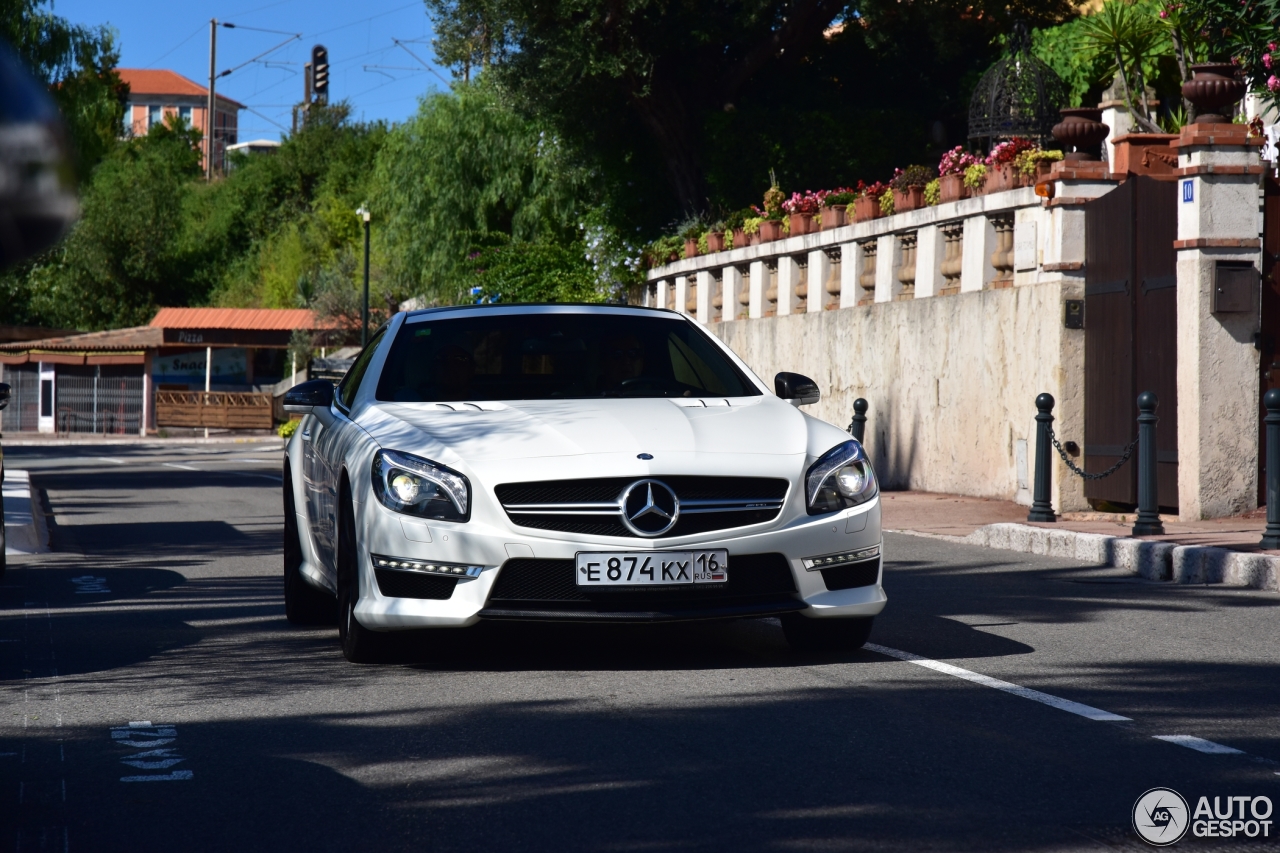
{"x":571,"y":463}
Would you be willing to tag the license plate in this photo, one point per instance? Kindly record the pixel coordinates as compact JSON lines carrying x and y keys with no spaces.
{"x":620,"y":568}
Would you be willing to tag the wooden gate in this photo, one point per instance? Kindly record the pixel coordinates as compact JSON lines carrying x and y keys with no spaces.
{"x":214,"y":409}
{"x":1131,"y":334}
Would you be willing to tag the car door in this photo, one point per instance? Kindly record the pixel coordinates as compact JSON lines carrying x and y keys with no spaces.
{"x":314,"y":479}
{"x":331,"y":445}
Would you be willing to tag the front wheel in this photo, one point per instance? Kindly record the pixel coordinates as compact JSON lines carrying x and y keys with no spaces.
{"x":359,"y":644}
{"x":303,"y":603}
{"x":826,"y":635}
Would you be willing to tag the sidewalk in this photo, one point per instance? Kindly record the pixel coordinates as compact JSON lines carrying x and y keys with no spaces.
{"x":187,"y":436}
{"x":1216,"y":551}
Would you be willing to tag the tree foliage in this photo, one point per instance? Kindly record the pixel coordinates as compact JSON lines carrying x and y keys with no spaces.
{"x":673,"y":96}
{"x":466,"y":172}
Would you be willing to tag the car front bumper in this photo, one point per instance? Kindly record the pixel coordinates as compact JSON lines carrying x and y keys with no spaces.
{"x":491,"y":546}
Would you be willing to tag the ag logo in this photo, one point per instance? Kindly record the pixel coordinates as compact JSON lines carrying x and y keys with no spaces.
{"x":1160,"y":816}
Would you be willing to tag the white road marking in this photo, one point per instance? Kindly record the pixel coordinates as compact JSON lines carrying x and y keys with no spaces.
{"x":1199,"y":744}
{"x":176,"y":465}
{"x":995,"y":683}
{"x":175,"y":776}
{"x":109,"y":459}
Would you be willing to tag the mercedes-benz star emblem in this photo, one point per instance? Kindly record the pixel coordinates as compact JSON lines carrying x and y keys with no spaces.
{"x":649,"y":508}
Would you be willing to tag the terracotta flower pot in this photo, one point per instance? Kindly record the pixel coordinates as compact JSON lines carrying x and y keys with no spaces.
{"x":952,"y":188}
{"x":908,"y":199}
{"x":754,"y":239}
{"x":833,"y":217}
{"x":1082,"y":132}
{"x":1213,"y":87}
{"x":691,"y":248}
{"x":740,"y":239}
{"x":1000,"y":178}
{"x":866,"y":208}
{"x":770,"y":230}
{"x":715,"y":241}
{"x":801,"y":223}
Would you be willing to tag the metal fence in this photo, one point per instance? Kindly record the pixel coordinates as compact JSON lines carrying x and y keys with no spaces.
{"x":99,"y":404}
{"x":86,"y":402}
{"x":24,"y":403}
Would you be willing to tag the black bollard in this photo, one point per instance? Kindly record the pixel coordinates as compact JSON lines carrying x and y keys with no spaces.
{"x":858,"y":427}
{"x":1148,"y":522}
{"x":1271,"y":536}
{"x":1041,"y":507}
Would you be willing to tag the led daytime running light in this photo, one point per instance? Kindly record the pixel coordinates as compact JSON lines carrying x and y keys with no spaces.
{"x":814,"y":564}
{"x":426,"y":566}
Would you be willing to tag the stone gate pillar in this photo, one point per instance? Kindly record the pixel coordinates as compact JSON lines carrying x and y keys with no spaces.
{"x":1218,"y":262}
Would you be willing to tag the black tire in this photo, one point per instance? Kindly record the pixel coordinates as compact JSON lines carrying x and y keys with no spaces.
{"x":359,"y":644}
{"x":826,"y":635}
{"x":303,"y":603}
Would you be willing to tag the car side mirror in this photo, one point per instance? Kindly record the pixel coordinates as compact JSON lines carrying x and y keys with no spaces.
{"x":4,"y":395}
{"x":305,"y":396}
{"x":796,"y":389}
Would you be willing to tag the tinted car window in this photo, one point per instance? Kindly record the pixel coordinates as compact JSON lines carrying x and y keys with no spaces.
{"x":351,"y":382}
{"x":555,"y":356}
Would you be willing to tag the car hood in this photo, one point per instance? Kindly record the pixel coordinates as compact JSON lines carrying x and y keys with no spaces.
{"x":489,"y":432}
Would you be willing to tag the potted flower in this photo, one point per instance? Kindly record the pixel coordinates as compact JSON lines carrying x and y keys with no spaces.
{"x":1033,"y":165}
{"x":908,"y":187}
{"x":834,"y":206}
{"x":715,"y":238}
{"x":690,"y":235}
{"x":932,"y":192}
{"x":1003,"y":173}
{"x":867,"y":205}
{"x":751,"y":228}
{"x":801,"y":209}
{"x":951,"y":169}
{"x":975,"y":178}
{"x":772,"y":213}
{"x":733,"y":227}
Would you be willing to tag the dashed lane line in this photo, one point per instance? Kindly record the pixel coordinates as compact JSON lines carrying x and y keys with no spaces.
{"x":995,"y":683}
{"x":1207,"y":747}
{"x":109,"y":459}
{"x":176,"y":465}
{"x":1200,"y":744}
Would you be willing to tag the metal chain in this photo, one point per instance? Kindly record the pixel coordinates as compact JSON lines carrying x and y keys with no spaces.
{"x":1079,"y":473}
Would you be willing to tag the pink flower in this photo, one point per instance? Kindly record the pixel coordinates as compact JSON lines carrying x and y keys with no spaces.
{"x":1271,"y":46}
{"x":1273,"y":84}
{"x":1266,"y":60}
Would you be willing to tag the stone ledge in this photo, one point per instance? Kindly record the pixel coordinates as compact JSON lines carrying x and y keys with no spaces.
{"x":1214,"y":134}
{"x":1218,"y":243}
{"x":1210,"y":169}
{"x":1156,"y":561}
{"x":1064,"y":266}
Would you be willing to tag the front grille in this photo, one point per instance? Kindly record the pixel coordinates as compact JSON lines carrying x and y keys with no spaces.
{"x":397,"y":584}
{"x":852,"y":575}
{"x":532,"y":582}
{"x":590,"y":506}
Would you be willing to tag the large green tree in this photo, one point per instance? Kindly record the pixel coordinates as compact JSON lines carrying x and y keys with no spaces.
{"x":467,"y":173}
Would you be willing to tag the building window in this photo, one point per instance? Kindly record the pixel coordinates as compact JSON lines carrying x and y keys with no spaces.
{"x":155,"y":116}
{"x":126,"y":129}
{"x":185,"y":114}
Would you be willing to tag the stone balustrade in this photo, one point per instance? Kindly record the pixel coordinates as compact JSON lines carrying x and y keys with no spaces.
{"x":993,"y":241}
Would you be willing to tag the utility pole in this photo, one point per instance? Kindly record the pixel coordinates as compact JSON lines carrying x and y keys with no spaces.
{"x":364,"y":314}
{"x":210,"y":114}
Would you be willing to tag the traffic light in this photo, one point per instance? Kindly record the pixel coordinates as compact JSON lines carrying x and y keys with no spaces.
{"x":320,"y":74}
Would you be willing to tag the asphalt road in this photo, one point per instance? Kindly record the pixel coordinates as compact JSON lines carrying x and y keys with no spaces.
{"x":161,"y":606}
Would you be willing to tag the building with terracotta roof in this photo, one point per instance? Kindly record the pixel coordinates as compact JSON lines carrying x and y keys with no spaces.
{"x":116,"y":374}
{"x":155,"y":94}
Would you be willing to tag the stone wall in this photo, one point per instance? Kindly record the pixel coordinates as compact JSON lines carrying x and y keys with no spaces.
{"x":951,"y":382}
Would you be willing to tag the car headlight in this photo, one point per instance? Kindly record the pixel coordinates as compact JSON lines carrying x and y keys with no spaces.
{"x":417,"y":486}
{"x":841,"y":478}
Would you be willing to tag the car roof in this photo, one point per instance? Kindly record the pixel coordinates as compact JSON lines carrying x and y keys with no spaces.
{"x":540,"y":308}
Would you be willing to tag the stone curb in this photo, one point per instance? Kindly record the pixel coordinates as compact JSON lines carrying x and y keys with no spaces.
{"x":1156,"y":561}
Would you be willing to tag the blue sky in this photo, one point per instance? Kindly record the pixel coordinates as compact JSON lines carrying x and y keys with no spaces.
{"x":171,"y":35}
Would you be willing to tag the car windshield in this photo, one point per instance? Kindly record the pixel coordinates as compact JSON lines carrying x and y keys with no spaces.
{"x":555,"y":356}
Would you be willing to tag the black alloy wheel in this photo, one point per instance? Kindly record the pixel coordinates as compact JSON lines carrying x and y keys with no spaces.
{"x":303,"y":603}
{"x":826,"y":635}
{"x":359,"y":644}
